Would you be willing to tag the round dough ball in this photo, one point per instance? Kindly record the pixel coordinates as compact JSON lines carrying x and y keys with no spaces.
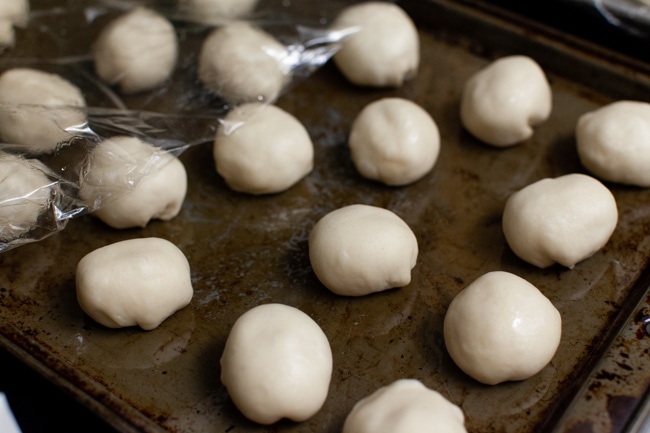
{"x":134,"y":282}
{"x":277,"y":363}
{"x":361,"y":249}
{"x":383,"y":51}
{"x":262,"y":149}
{"x":38,"y":109}
{"x":128,"y":182}
{"x":136,"y":51}
{"x":242,"y":63}
{"x":12,"y":13}
{"x":501,"y":328}
{"x":502,"y":102}
{"x":563,"y":220}
{"x":394,"y":141}
{"x":214,"y":11}
{"x":25,"y":193}
{"x":405,"y":406}
{"x":614,"y":142}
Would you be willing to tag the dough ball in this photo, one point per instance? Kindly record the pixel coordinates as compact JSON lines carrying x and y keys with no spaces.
{"x":38,"y":109}
{"x":262,"y":149}
{"x":136,"y":51}
{"x":25,"y":193}
{"x":502,"y":102}
{"x":130,"y":182}
{"x":361,"y":249}
{"x":405,"y":406}
{"x":394,"y":141}
{"x":134,"y":282}
{"x":501,"y":328}
{"x":277,"y":363}
{"x":214,"y":11}
{"x":563,"y":220}
{"x":383,"y":51}
{"x":12,"y":13}
{"x":242,"y":63}
{"x":614,"y":142}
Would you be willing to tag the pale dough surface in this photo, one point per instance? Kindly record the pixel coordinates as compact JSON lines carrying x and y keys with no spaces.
{"x":136,"y":51}
{"x":405,"y":406}
{"x":501,"y":328}
{"x":383,"y":51}
{"x":394,"y":141}
{"x":12,"y":13}
{"x":360,"y":249}
{"x":243,"y":63}
{"x":503,"y":101}
{"x":25,"y":192}
{"x":613,"y":142}
{"x":134,"y":282}
{"x":215,"y":11}
{"x":129,"y":182}
{"x":559,"y":220}
{"x":277,"y":363}
{"x":37,"y":107}
{"x":262,"y":149}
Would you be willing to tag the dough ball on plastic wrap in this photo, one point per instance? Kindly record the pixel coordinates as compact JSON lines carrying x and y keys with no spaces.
{"x":383,"y":50}
{"x":405,"y":406}
{"x":39,"y":110}
{"x":360,"y":249}
{"x":562,"y":220}
{"x":12,"y":13}
{"x":394,"y":141}
{"x":134,"y":282}
{"x":501,"y":328}
{"x":242,"y":63}
{"x":613,"y":142}
{"x":136,"y":51}
{"x":213,"y":11}
{"x":129,"y":182}
{"x":25,"y":193}
{"x":502,"y":102}
{"x":277,"y":363}
{"x":262,"y":149}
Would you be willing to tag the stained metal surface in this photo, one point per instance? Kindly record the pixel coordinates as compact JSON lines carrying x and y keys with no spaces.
{"x":246,"y":250}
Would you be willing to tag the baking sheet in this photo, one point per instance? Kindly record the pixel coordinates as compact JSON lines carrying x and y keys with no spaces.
{"x":246,"y":250}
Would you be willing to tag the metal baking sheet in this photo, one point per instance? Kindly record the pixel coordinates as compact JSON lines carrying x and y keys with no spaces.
{"x":246,"y":250}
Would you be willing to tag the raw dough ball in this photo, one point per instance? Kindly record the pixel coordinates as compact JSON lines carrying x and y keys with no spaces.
{"x":25,"y":193}
{"x":394,"y":141}
{"x":242,"y":63}
{"x":614,"y":142}
{"x":501,"y":328}
{"x":262,"y":149}
{"x":36,"y":109}
{"x":12,"y":13}
{"x":137,"y":51}
{"x":134,"y":282}
{"x":384,"y":50}
{"x":502,"y":102}
{"x":405,"y":406}
{"x":361,"y":249}
{"x":563,"y":220}
{"x":130,"y":182}
{"x":214,"y":11}
{"x":277,"y":363}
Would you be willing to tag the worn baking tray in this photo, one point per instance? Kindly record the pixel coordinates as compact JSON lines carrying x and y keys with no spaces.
{"x":246,"y":250}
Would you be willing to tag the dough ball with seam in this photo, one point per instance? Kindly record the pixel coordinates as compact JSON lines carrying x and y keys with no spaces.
{"x":13,"y":13}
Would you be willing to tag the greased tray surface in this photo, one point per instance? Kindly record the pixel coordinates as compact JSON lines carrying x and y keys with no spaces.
{"x":246,"y":250}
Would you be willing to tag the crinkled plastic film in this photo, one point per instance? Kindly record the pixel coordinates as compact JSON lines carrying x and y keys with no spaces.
{"x":179,"y":113}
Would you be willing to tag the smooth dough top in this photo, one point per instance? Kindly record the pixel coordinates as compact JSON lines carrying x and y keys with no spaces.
{"x":383,"y":50}
{"x":277,"y":363}
{"x":562,"y":220}
{"x":501,"y":328}
{"x":405,"y":406}
{"x":12,"y":13}
{"x":215,"y":11}
{"x":613,"y":142}
{"x":502,"y":102}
